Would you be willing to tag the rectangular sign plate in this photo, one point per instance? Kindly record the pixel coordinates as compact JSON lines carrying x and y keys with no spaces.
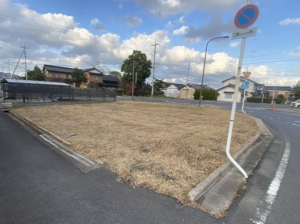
{"x":249,"y":32}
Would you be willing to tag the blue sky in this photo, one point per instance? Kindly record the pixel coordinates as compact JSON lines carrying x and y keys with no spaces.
{"x":104,"y":33}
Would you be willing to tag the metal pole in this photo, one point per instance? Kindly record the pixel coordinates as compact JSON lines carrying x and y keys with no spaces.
{"x":200,"y":97}
{"x":186,"y":84}
{"x":132,"y":85}
{"x":201,"y":87}
{"x":244,"y":102}
{"x":234,"y":108}
{"x":153,"y":68}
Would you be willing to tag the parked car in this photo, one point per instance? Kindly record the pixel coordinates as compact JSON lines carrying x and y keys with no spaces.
{"x":295,"y":103}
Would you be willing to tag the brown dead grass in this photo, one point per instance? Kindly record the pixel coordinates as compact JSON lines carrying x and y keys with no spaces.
{"x":164,"y":147}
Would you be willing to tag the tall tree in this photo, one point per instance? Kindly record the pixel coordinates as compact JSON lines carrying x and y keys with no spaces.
{"x":159,"y":84}
{"x":296,"y":90}
{"x":78,"y":77}
{"x":36,"y":74}
{"x":116,"y":74}
{"x":142,"y":67}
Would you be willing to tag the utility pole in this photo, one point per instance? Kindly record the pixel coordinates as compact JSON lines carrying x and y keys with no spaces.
{"x":8,"y":63}
{"x":24,"y":50}
{"x":17,"y":64}
{"x":187,"y":79}
{"x":153,"y":68}
{"x":132,"y":86}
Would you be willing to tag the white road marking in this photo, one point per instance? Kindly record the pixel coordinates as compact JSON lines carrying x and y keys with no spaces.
{"x":265,"y":206}
{"x":296,"y":125}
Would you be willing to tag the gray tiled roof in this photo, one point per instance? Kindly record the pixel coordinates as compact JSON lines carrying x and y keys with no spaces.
{"x":282,"y":88}
{"x":110,"y":78}
{"x":53,"y":68}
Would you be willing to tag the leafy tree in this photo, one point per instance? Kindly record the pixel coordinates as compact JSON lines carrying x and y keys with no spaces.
{"x":279,"y":99}
{"x":159,"y":84}
{"x":78,"y":77}
{"x":142,"y":67}
{"x":116,"y":74}
{"x":36,"y":74}
{"x":296,"y":90}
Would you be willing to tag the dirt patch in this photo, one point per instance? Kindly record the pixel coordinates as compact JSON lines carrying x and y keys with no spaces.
{"x":165,"y":147}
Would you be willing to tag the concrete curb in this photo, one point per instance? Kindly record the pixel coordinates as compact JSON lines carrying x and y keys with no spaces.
{"x":59,"y":145}
{"x":202,"y":187}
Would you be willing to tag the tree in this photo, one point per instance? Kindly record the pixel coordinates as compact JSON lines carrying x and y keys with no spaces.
{"x":36,"y":74}
{"x":142,"y":67}
{"x":116,"y":74}
{"x":159,"y":84}
{"x":296,"y":90}
{"x":78,"y":77}
{"x":279,"y":99}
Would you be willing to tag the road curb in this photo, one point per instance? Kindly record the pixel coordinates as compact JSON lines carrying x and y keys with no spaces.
{"x":59,"y":145}
{"x":202,"y":187}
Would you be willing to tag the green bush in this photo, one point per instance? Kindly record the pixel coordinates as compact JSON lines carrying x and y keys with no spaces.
{"x":258,"y":100}
{"x":208,"y":94}
{"x":120,"y":92}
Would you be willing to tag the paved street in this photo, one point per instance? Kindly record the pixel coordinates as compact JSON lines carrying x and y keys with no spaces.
{"x":39,"y":186}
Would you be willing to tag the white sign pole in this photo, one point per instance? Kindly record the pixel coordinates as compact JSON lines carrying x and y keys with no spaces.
{"x":244,"y":102}
{"x":236,"y":91}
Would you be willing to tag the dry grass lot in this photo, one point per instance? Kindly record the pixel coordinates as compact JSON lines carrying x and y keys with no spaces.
{"x":164,"y":147}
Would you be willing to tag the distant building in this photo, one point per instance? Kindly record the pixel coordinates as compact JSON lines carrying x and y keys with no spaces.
{"x":94,"y":76}
{"x":284,"y":90}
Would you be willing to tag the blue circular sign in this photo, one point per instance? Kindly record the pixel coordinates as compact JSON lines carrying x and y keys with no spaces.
{"x":246,"y":16}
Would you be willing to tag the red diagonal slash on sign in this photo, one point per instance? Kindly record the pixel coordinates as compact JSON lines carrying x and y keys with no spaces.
{"x":241,"y":13}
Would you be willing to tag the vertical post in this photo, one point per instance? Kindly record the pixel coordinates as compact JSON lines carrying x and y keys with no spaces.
{"x":153,"y":68}
{"x":187,"y":79}
{"x":244,"y":101}
{"x":234,"y":108}
{"x":200,"y":96}
{"x":132,"y":85}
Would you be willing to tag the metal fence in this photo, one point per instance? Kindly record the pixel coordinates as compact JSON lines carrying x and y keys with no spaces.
{"x":50,"y":93}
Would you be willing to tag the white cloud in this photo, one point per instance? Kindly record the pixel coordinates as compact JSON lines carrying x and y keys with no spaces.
{"x":181,"y":20}
{"x":169,"y":25}
{"x":235,"y":44}
{"x":162,"y":8}
{"x":120,"y":6}
{"x":182,"y":30}
{"x":95,"y":21}
{"x":133,"y":21}
{"x":57,"y":39}
{"x":97,"y":25}
{"x":290,"y":21}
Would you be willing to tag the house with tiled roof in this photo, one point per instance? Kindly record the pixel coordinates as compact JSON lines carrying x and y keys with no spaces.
{"x":95,"y":77}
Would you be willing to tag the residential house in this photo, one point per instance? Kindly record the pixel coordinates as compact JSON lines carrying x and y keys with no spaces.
{"x":226,"y":93}
{"x":254,"y":87}
{"x":284,"y":90}
{"x":95,"y":77}
{"x":57,"y":73}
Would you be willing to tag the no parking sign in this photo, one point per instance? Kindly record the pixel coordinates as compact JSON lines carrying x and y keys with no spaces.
{"x":246,"y":16}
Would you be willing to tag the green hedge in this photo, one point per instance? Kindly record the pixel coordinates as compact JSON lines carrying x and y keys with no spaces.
{"x":258,"y":100}
{"x":208,"y":94}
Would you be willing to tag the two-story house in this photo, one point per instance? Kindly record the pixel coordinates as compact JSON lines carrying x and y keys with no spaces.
{"x":226,"y":92}
{"x":95,"y":77}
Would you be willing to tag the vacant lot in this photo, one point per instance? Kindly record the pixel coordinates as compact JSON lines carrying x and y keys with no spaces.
{"x":164,"y":147}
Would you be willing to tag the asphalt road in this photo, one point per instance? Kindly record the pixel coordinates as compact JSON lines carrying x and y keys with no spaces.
{"x":39,"y":186}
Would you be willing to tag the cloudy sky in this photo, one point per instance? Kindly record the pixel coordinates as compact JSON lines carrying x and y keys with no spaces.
{"x":103,"y":34}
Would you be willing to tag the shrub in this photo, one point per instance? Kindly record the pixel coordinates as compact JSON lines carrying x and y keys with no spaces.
{"x":208,"y":94}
